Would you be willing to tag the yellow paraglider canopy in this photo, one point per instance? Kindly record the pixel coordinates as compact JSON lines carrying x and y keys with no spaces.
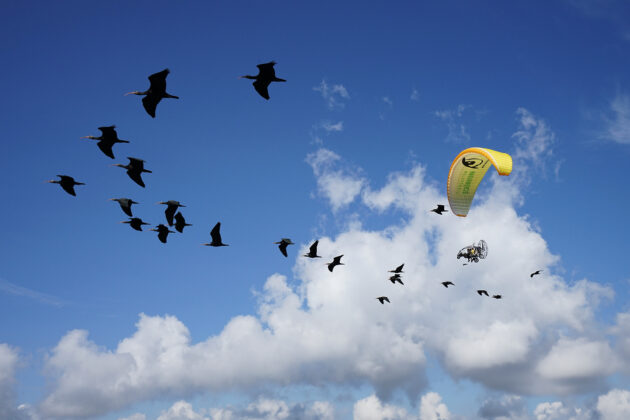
{"x":467,"y":171}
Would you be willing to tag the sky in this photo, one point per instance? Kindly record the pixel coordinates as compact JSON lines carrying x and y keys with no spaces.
{"x":102,"y":322}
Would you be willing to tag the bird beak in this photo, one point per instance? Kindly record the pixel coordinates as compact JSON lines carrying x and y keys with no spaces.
{"x":131,"y":93}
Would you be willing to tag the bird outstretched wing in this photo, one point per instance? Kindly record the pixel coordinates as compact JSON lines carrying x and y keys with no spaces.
{"x":215,"y":233}
{"x":158,"y":80}
{"x":261,"y":87}
{"x":136,"y":177}
{"x":150,"y":103}
{"x":106,"y":148}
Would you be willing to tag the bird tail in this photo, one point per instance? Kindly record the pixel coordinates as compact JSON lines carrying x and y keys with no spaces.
{"x":279,"y":80}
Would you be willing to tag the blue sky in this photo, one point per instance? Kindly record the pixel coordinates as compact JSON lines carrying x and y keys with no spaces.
{"x":353,"y":149}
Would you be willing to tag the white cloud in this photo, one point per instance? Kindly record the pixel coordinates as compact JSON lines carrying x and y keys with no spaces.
{"x":457,"y":131}
{"x":9,"y":410}
{"x":388,"y":101}
{"x":371,"y":408}
{"x":328,"y":126}
{"x":415,"y":95}
{"x":335,"y":95}
{"x":618,"y":125}
{"x":339,"y":186}
{"x":14,"y":289}
{"x":137,"y":416}
{"x":507,"y":407}
{"x":329,"y":329}
{"x":181,"y":410}
{"x":535,"y":142}
{"x":432,"y":407}
{"x":614,"y":405}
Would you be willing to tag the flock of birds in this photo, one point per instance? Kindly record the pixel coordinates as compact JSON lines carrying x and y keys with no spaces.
{"x":135,"y":168}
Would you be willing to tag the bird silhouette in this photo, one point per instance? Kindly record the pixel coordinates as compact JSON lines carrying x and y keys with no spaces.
{"x":335,"y":262}
{"x":67,"y":183}
{"x":447,"y":283}
{"x":312,"y":251}
{"x":439,"y":209}
{"x":180,"y":222}
{"x":396,"y":278}
{"x":135,"y":223}
{"x":266,"y":75}
{"x":497,"y":296}
{"x":535,"y":273}
{"x":171,"y":208}
{"x":162,"y":232}
{"x":125,"y":204}
{"x":482,"y":292}
{"x":216,"y":236}
{"x":397,"y":269}
{"x":157,"y":91}
{"x":108,"y":138}
{"x":135,"y":168}
{"x":383,"y":299}
{"x":284,"y":242}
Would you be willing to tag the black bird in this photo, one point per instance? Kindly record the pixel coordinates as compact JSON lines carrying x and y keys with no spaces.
{"x":396,"y":278}
{"x":125,"y":204}
{"x":67,"y":183}
{"x":535,"y":273}
{"x":171,"y":208}
{"x":482,"y":292}
{"x":383,"y":299}
{"x":180,"y":222}
{"x":135,"y":168}
{"x":397,"y":269}
{"x":497,"y":296}
{"x":447,"y":283}
{"x":266,"y":74}
{"x":162,"y":232}
{"x":439,"y":209}
{"x":284,"y":242}
{"x":216,"y":236}
{"x":136,"y":223}
{"x":312,"y":251}
{"x":335,"y":262}
{"x":157,"y":91}
{"x":108,"y":138}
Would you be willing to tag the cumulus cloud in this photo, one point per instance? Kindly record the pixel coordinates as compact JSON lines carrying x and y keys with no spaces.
{"x":9,"y":360}
{"x":335,"y":95}
{"x":330,"y":330}
{"x":339,"y":186}
{"x":506,"y":407}
{"x":615,"y":405}
{"x":261,"y":409}
{"x":372,"y":408}
{"x":617,"y":123}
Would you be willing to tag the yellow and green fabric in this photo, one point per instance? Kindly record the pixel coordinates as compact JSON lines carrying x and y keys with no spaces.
{"x":467,"y":171}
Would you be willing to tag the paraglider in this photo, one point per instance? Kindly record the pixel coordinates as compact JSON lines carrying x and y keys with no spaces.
{"x":474,"y":252}
{"x":467,"y":171}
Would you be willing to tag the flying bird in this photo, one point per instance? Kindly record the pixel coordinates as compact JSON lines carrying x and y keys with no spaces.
{"x":108,"y":138}
{"x":439,"y":209}
{"x":157,"y":91}
{"x":125,"y":204}
{"x":447,"y":283}
{"x":135,"y":168}
{"x":312,"y":251}
{"x":266,"y":75}
{"x":497,"y":296}
{"x":284,"y":242}
{"x":535,"y":273}
{"x":162,"y":232}
{"x":397,"y":269}
{"x":136,"y":223}
{"x":396,"y":278}
{"x":482,"y":292}
{"x":383,"y":299}
{"x":67,"y":183}
{"x":335,"y":262}
{"x":180,"y":222}
{"x":216,"y":236}
{"x":171,"y":208}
